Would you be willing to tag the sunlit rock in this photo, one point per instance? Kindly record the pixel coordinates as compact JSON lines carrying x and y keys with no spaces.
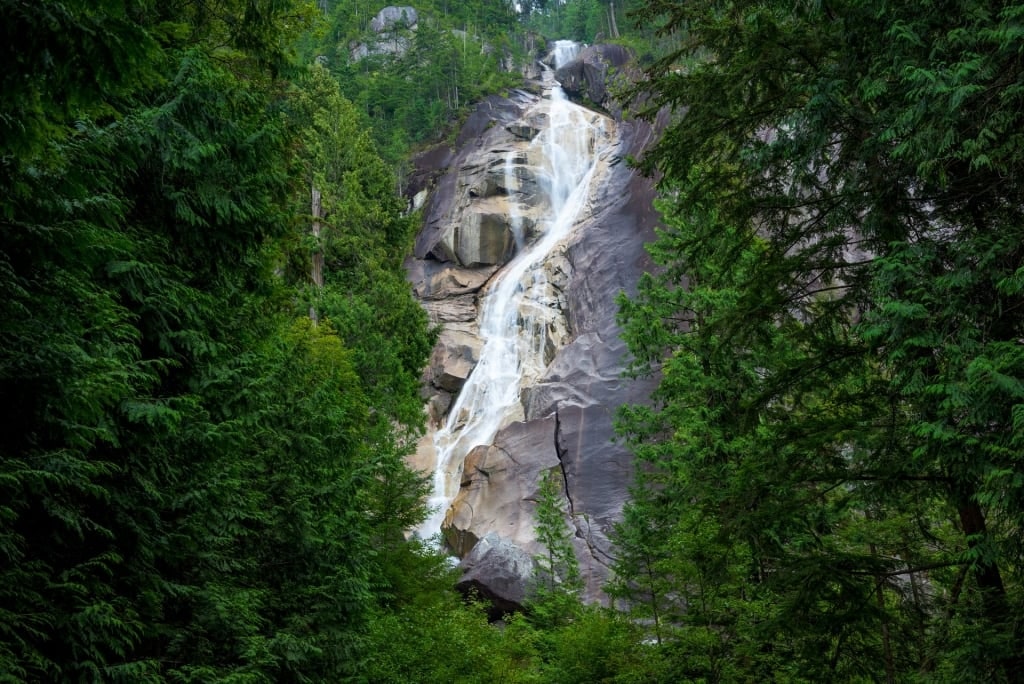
{"x":453,"y":359}
{"x":497,"y":483}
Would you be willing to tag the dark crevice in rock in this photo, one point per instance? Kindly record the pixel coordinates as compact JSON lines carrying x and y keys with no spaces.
{"x":498,"y":607}
{"x":508,"y":454}
{"x":561,"y":465}
{"x":595,"y":552}
{"x":600,"y":556}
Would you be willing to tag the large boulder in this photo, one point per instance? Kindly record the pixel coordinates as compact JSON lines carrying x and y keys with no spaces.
{"x":454,"y":357}
{"x":482,"y":238}
{"x":499,"y":484}
{"x":447,"y":292}
{"x":499,"y":571}
{"x":435,"y":281}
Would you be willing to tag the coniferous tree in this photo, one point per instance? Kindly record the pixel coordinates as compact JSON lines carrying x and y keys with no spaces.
{"x":837,"y":383}
{"x":196,"y":487}
{"x":557,"y":581}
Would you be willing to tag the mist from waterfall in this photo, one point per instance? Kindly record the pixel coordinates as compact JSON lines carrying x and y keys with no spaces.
{"x":564,"y":52}
{"x":513,"y":317}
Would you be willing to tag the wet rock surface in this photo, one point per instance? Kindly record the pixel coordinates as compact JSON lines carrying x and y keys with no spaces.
{"x":499,"y":486}
{"x":566,"y":424}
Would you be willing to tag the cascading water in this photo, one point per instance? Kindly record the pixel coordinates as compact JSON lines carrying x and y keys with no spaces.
{"x":511,"y":316}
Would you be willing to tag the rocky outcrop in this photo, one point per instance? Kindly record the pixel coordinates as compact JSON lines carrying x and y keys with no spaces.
{"x":391,"y":28}
{"x":566,"y":424}
{"x":392,"y":32}
{"x":391,"y":17}
{"x":590,"y":75}
{"x":499,"y":571}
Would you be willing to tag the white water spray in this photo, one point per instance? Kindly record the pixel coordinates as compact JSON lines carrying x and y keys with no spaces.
{"x":514,"y":337}
{"x":564,"y":52}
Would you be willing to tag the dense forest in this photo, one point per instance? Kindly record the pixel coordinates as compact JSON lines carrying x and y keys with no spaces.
{"x":210,"y":357}
{"x":833,"y":482}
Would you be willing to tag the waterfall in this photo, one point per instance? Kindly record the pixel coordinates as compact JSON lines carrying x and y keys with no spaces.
{"x":513,"y":316}
{"x":564,"y":52}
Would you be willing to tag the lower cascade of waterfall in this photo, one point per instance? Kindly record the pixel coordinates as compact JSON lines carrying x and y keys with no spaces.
{"x":512,"y":313}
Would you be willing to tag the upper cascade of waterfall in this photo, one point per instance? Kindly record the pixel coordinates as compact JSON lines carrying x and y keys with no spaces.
{"x":515,"y":316}
{"x":564,"y":52}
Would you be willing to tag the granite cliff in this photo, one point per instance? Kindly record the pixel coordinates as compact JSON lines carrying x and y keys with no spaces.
{"x":483,"y":202}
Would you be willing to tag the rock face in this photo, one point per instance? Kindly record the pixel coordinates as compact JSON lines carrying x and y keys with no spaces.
{"x":500,"y":571}
{"x":499,"y":485}
{"x":589,"y":75}
{"x":390,"y":17}
{"x":390,"y":27}
{"x":565,"y":424}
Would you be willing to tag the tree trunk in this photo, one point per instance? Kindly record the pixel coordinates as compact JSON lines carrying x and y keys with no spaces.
{"x":317,"y":266}
{"x":990,"y":583}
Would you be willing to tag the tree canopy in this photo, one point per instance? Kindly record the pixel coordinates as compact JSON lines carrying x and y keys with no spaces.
{"x":832,"y":472}
{"x":198,"y":482}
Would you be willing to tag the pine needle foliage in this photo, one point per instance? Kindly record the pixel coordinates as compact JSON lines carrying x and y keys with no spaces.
{"x":196,"y":483}
{"x":828,"y":483}
{"x":557,"y":580}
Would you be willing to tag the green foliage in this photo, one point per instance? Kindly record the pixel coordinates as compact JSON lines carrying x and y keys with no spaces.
{"x":412,"y":96}
{"x":585,"y":21}
{"x":198,"y":484}
{"x":445,"y":641}
{"x":364,"y":238}
{"x":829,"y":454}
{"x":599,"y":645}
{"x":557,"y":580}
{"x":67,"y":61}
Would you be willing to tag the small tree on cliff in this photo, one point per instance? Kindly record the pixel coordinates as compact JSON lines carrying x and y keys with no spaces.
{"x":557,"y":575}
